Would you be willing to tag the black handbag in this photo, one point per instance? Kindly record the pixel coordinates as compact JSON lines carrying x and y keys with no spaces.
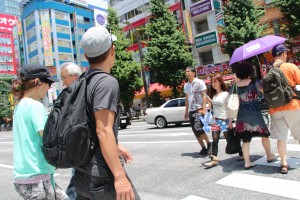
{"x":233,"y":143}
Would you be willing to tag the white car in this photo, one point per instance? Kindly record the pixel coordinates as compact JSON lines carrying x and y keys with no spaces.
{"x":171,"y":112}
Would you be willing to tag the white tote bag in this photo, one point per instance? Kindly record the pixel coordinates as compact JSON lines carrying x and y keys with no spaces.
{"x":233,"y":103}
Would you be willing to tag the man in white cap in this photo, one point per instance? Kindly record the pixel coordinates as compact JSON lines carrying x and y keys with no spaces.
{"x":286,"y":117}
{"x":105,"y":177}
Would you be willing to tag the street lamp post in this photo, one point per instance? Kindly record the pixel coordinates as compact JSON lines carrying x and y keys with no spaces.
{"x":141,"y":60}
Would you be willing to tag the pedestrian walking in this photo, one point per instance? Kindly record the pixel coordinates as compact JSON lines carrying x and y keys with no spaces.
{"x":33,"y":176}
{"x":285,"y":118}
{"x":250,"y":122}
{"x":70,"y":72}
{"x":219,"y":96}
{"x":195,"y":105}
{"x":104,"y":177}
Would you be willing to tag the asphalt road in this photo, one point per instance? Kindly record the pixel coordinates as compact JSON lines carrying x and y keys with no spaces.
{"x":166,"y":167}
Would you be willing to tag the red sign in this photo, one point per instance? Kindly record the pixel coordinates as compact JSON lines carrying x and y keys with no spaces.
{"x":7,"y":22}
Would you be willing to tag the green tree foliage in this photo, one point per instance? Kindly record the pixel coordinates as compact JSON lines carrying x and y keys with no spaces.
{"x":291,"y":16}
{"x":241,"y":23}
{"x":156,"y":99}
{"x":6,"y":110}
{"x":167,"y":55}
{"x":125,"y":69}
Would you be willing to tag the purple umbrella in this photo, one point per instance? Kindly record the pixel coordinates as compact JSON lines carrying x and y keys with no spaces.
{"x":255,"y":47}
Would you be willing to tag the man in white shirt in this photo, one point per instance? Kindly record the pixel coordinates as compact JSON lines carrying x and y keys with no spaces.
{"x":195,"y":105}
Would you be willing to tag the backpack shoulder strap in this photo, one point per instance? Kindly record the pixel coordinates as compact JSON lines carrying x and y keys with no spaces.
{"x":283,"y":78}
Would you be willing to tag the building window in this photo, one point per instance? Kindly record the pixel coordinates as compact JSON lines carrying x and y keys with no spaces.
{"x":30,"y":33}
{"x":29,"y":19}
{"x":65,"y":57}
{"x":206,"y":58}
{"x":61,"y":15}
{"x":34,"y":60}
{"x":64,"y":43}
{"x":177,"y":16}
{"x":201,"y":26}
{"x":62,"y":29}
{"x":32,"y":47}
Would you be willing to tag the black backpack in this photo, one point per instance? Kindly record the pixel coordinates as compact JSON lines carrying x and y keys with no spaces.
{"x":277,"y":90}
{"x":69,"y":140}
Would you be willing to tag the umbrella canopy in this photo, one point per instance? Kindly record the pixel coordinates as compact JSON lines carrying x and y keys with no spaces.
{"x":255,"y":47}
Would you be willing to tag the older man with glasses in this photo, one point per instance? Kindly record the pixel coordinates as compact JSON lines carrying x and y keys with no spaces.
{"x":69,"y":73}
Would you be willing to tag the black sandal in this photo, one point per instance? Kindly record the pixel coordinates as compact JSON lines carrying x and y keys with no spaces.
{"x":284,"y":169}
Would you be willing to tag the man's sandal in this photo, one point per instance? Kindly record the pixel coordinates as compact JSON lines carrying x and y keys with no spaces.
{"x":284,"y":169}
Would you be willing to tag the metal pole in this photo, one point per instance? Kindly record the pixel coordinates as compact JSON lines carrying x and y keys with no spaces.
{"x":143,"y":71}
{"x":141,"y":60}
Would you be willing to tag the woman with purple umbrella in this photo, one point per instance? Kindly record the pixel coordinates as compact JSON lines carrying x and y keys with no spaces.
{"x":250,"y":122}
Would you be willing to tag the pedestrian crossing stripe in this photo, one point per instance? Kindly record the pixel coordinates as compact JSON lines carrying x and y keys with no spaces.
{"x":192,"y":197}
{"x":258,"y":184}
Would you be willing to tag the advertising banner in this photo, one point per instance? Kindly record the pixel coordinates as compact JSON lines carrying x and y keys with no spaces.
{"x":206,"y":39}
{"x":210,"y":70}
{"x":46,"y":36}
{"x":200,"y":8}
{"x":189,"y":27}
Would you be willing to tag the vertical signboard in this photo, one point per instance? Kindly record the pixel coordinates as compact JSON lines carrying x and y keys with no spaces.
{"x":189,"y":27}
{"x":78,"y":54}
{"x":46,"y":37}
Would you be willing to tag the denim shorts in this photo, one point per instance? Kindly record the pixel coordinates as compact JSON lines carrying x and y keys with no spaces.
{"x":220,"y":124}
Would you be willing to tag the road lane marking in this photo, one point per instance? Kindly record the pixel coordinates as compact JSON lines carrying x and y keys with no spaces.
{"x":193,"y":197}
{"x":6,"y":142}
{"x":161,"y":142}
{"x":275,"y":186}
{"x":156,"y":130}
{"x":6,"y":166}
{"x":293,"y":147}
{"x":156,"y":134}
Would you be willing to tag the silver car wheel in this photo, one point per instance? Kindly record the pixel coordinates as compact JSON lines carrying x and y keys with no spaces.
{"x":161,"y":122}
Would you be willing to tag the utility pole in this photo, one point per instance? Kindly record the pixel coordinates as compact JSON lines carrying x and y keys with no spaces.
{"x":141,"y":60}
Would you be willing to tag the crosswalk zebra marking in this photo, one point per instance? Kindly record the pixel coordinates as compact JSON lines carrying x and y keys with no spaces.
{"x":193,"y":197}
{"x":258,"y":184}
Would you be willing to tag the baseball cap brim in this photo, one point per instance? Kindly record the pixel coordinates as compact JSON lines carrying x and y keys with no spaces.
{"x":52,"y":79}
{"x":113,"y":38}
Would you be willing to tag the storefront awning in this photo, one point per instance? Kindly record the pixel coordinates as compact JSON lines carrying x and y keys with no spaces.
{"x":164,"y":90}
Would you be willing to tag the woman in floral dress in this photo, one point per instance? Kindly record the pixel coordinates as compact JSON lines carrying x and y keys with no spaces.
{"x":250,"y":122}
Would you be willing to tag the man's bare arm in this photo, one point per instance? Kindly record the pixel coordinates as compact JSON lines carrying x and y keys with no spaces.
{"x":104,"y":123}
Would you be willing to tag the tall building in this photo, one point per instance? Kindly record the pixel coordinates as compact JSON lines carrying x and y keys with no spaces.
{"x":9,"y":51}
{"x":9,"y":40}
{"x":10,"y":7}
{"x":52,"y":31}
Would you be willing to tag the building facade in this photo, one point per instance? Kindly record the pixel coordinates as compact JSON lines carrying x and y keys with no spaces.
{"x":9,"y":51}
{"x":52,"y":31}
{"x":10,"y":7}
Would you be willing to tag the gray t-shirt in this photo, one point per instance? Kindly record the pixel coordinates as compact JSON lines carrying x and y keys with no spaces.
{"x":103,"y":93}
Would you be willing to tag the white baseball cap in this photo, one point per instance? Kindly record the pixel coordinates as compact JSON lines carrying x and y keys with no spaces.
{"x":96,"y":41}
